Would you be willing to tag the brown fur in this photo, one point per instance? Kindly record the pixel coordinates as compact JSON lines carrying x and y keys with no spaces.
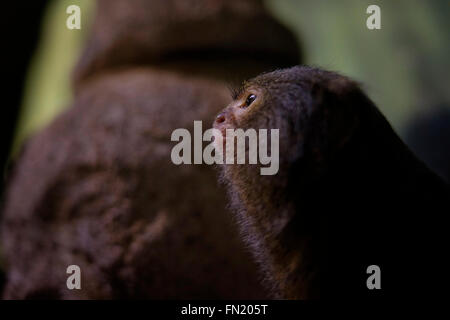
{"x":97,"y":187}
{"x":348,"y":193}
{"x":106,"y":197}
{"x":230,"y":39}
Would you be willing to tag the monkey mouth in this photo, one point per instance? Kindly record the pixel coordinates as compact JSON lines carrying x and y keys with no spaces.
{"x":223,"y":129}
{"x":221,"y":139}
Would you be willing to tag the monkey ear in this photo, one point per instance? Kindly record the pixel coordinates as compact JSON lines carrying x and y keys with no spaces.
{"x":334,"y":119}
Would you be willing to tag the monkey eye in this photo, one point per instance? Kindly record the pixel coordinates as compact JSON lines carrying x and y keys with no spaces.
{"x":249,"y":100}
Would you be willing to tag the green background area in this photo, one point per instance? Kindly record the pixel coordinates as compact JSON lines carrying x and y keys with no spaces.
{"x":404,"y":67}
{"x":47,"y":89}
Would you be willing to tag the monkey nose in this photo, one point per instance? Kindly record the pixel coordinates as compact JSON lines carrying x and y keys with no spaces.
{"x":220,"y":118}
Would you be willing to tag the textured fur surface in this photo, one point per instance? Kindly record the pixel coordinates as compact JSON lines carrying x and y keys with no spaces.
{"x":221,"y":38}
{"x":97,"y":187}
{"x":102,"y":193}
{"x":348,"y":194}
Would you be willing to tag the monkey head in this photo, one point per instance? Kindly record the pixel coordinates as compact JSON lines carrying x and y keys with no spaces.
{"x":315,"y":111}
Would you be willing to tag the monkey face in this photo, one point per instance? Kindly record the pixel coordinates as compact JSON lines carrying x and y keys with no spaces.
{"x":240,"y":112}
{"x":316,"y":111}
